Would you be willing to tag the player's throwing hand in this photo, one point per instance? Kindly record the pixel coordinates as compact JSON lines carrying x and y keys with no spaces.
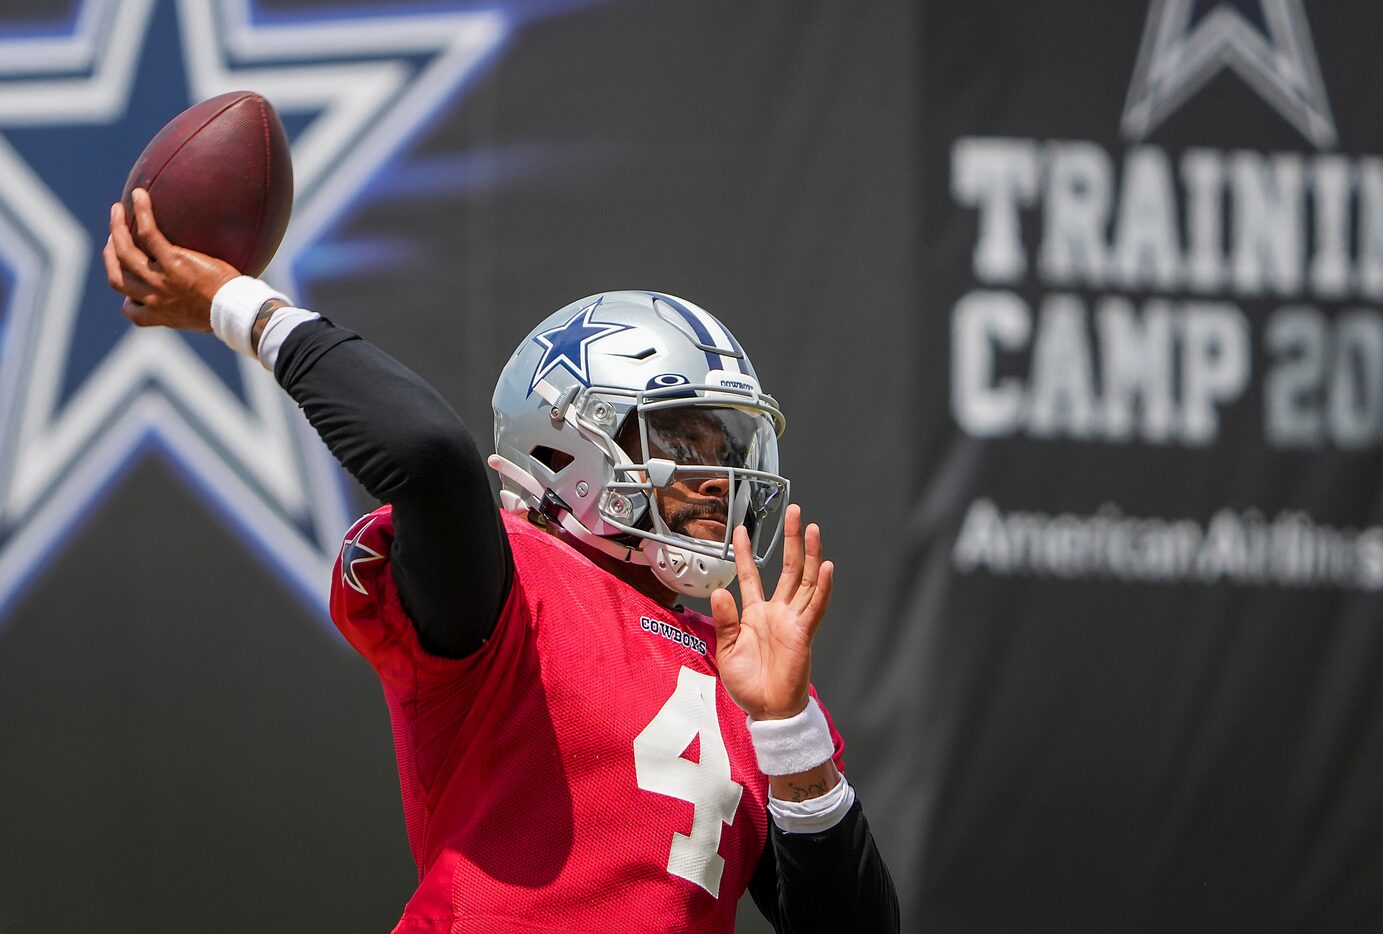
{"x":765,"y":652}
{"x":162,"y":283}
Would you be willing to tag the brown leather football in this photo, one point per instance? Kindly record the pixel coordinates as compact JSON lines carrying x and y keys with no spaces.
{"x":221,"y":179}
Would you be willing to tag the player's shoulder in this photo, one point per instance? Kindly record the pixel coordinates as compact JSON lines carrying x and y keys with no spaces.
{"x":553,"y":572}
{"x":372,"y":530}
{"x":365,"y":550}
{"x":519,"y":528}
{"x":370,"y":537}
{"x":530,"y":543}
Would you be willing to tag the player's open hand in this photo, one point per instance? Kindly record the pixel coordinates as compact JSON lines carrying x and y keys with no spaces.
{"x":162,"y":283}
{"x":764,"y":653}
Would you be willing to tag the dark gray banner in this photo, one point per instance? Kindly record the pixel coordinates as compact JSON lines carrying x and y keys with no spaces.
{"x":1137,"y":626}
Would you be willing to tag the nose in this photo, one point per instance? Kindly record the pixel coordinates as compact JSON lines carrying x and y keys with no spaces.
{"x":717,"y":486}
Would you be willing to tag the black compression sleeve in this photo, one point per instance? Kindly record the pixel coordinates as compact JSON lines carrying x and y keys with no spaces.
{"x":830,"y":881}
{"x":407,"y":447}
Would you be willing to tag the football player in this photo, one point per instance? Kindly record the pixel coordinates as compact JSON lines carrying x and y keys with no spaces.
{"x":577,"y":750}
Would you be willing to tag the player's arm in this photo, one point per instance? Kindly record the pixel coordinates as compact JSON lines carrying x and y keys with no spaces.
{"x":396,"y":435}
{"x":825,"y":880}
{"x":822,"y":870}
{"x":451,"y":558}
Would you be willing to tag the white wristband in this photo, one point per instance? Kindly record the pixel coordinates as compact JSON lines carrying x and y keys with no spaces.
{"x":785,"y":747}
{"x":815,"y":814}
{"x":276,"y":330}
{"x":234,"y":307}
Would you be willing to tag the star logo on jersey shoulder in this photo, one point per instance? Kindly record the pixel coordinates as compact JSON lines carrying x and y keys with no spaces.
{"x":355,"y":553}
{"x":82,"y":394}
{"x":1267,"y":43}
{"x":568,"y":345}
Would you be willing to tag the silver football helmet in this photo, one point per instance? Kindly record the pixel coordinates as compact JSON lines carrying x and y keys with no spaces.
{"x":623,"y":394}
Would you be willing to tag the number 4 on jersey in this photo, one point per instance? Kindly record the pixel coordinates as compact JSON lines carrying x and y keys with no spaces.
{"x":714,"y":796}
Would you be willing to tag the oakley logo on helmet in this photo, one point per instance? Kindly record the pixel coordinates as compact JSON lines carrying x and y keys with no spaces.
{"x":668,"y":381}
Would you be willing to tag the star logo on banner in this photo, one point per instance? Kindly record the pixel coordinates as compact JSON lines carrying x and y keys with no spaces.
{"x":354,"y":553}
{"x":1265,"y":42}
{"x":82,"y":394}
{"x":568,"y":345}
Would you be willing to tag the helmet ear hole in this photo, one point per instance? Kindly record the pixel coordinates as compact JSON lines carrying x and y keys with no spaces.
{"x":628,"y":437}
{"x":551,"y":458}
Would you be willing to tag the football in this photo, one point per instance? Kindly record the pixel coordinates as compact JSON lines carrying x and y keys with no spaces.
{"x":221,"y":179}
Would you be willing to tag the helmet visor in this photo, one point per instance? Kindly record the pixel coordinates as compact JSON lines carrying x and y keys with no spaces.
{"x":706,"y":436}
{"x":726,"y":475}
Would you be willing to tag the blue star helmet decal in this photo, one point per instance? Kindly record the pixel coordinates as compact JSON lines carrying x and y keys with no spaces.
{"x":1267,"y":43}
{"x":569,"y":345}
{"x":82,"y":394}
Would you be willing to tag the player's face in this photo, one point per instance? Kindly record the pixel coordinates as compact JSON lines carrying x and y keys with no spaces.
{"x":692,"y":505}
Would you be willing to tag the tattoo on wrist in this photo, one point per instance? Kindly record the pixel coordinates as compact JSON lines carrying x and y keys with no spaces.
{"x":266,"y":311}
{"x":805,"y":792}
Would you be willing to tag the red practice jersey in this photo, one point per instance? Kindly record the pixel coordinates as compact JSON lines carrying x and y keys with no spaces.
{"x":583,"y":771}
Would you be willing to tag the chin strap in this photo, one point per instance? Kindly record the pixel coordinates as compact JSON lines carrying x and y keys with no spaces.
{"x":512,"y":502}
{"x":688,"y":572}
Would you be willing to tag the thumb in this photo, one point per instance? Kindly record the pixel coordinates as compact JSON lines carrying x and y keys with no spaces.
{"x":727,"y":619}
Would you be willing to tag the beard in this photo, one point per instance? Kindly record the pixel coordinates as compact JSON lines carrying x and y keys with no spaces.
{"x":681,"y":516}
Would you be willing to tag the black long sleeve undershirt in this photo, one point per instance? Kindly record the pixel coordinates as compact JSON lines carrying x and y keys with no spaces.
{"x":453,"y":567}
{"x":832,"y":881}
{"x":408,"y":448}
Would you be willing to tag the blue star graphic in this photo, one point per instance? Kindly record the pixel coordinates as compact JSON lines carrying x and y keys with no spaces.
{"x":1267,"y":43}
{"x":81,"y":393}
{"x":353,"y":553}
{"x":569,"y":345}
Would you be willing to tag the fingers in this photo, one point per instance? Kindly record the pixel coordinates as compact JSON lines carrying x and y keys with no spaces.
{"x":128,"y":270}
{"x":123,"y":280}
{"x":751,"y":588}
{"x":114,"y":274}
{"x":820,"y":599}
{"x":129,"y":257}
{"x":138,"y":313}
{"x":811,"y":567}
{"x":792,"y":554}
{"x":727,"y":619}
{"x":151,"y":239}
